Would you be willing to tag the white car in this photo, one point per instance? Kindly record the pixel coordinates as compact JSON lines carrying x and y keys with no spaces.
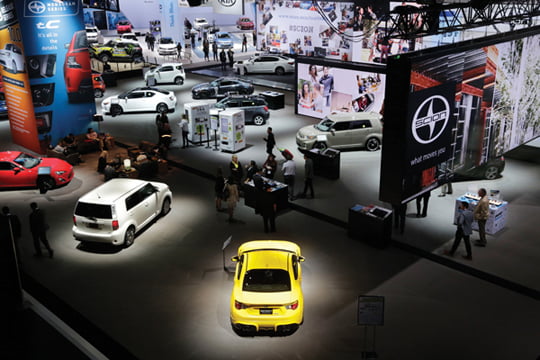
{"x":200,"y":23}
{"x":12,"y":59}
{"x":276,"y":64}
{"x":167,"y":46}
{"x":138,"y":100}
{"x":130,"y":37}
{"x":115,"y":211}
{"x":93,"y":34}
{"x":166,"y":73}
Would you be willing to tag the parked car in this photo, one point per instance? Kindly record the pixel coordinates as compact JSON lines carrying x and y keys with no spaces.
{"x":77,"y":69}
{"x":343,"y":130}
{"x":114,"y":212}
{"x":267,"y":287}
{"x":200,"y":23}
{"x":138,"y":100}
{"x":245,"y":23}
{"x":93,"y":34}
{"x":129,"y":37}
{"x":117,"y":49}
{"x":19,"y":169}
{"x":223,"y":40}
{"x":98,"y":84}
{"x":12,"y":59}
{"x":166,"y":73}
{"x":255,"y":107}
{"x":489,"y":170}
{"x":275,"y":64}
{"x":167,"y":46}
{"x":221,"y":86}
{"x":124,"y":26}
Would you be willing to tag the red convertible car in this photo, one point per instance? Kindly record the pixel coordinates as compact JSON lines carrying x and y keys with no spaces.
{"x":19,"y":169}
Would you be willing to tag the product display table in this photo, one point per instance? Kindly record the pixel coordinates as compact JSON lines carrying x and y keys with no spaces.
{"x":274,"y":99}
{"x":371,"y":224}
{"x":498,"y":212}
{"x":276,"y":189}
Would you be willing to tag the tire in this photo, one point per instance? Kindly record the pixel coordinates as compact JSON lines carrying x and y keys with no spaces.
{"x":491,"y":172}
{"x":129,"y":236}
{"x":162,"y":107}
{"x":104,"y":57}
{"x":179,"y":80}
{"x":258,"y":120}
{"x":373,"y":144}
{"x":280,"y":71}
{"x":45,"y":184}
{"x":98,"y":93}
{"x":165,"y":207}
{"x":116,"y":110}
{"x":320,"y":145}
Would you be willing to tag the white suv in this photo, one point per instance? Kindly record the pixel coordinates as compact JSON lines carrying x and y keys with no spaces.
{"x":115,"y":211}
{"x":93,"y":35}
{"x":166,"y":73}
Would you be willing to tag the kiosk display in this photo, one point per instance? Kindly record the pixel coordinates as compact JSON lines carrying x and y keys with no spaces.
{"x":498,"y":212}
{"x":231,"y":129}
{"x":199,"y":120}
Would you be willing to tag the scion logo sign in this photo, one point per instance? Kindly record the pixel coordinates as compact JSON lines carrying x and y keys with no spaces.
{"x":47,"y":8}
{"x":227,"y":3}
{"x":36,"y":7}
{"x":430,"y":119}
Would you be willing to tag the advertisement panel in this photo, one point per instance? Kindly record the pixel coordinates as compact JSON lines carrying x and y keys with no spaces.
{"x":22,"y":122}
{"x":58,"y":64}
{"x":330,"y":89}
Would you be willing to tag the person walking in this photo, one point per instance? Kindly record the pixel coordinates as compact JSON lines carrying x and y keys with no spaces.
{"x":230,"y":55}
{"x":270,"y":141}
{"x":289,"y":174}
{"x":481,"y":214}
{"x":232,"y":197}
{"x":219,"y":186}
{"x":244,"y":43}
{"x":184,"y":127}
{"x":308,"y":176}
{"x":215,"y":51}
{"x":223,"y":59}
{"x":422,"y":198}
{"x":38,"y":228}
{"x":179,"y":50}
{"x":464,"y":222}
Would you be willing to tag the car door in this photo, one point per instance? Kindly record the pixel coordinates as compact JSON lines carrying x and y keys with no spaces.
{"x":340,"y":135}
{"x":268,"y":64}
{"x":13,"y":175}
{"x":150,"y":101}
{"x":226,"y":86}
{"x":165,"y":74}
{"x":147,"y":207}
{"x":360,"y":131}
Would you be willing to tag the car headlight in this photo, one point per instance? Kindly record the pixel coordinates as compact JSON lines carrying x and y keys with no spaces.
{"x":60,"y":172}
{"x":311,"y":137}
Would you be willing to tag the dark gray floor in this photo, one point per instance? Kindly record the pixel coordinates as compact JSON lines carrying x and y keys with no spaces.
{"x":167,"y":296}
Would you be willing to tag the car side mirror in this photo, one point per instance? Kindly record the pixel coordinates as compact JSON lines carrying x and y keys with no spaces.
{"x":301,"y":259}
{"x":235,"y":258}
{"x":333,"y":132}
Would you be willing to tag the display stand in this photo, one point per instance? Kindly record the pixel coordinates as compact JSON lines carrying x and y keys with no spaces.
{"x":498,"y":212}
{"x":231,"y":126}
{"x":275,"y":100}
{"x":370,"y":315}
{"x":371,"y":224}
{"x":198,"y":116}
{"x":277,"y":190}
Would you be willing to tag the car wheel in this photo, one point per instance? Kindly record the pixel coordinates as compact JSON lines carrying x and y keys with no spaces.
{"x":320,"y":145}
{"x":373,"y":144}
{"x":104,"y":57}
{"x":491,"y":172}
{"x":116,"y":110}
{"x":165,"y":207}
{"x":258,"y":120}
{"x":45,"y":184}
{"x":161,"y":107}
{"x":129,"y":237}
{"x":98,"y":93}
{"x":179,"y":80}
{"x":280,"y":71}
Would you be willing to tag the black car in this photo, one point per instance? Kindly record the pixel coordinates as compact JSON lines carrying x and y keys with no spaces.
{"x":221,"y":86}
{"x":490,"y":170}
{"x":255,"y":107}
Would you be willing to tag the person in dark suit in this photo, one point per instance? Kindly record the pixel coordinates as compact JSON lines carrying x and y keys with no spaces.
{"x":264,"y":204}
{"x":425,"y":198}
{"x":38,"y":228}
{"x":270,"y":141}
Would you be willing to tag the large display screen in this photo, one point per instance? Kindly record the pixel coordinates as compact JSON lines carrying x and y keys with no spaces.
{"x":329,"y":89}
{"x":461,"y":107}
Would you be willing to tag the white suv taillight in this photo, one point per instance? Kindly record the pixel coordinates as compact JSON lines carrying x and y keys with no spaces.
{"x":115,"y":225}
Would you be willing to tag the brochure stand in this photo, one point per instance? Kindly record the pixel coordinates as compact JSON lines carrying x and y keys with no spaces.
{"x":231,"y":127}
{"x":198,"y":116}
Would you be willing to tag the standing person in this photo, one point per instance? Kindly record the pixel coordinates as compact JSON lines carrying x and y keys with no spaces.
{"x":223,"y":59}
{"x":179,"y":50}
{"x":251,"y":170}
{"x":151,"y":41}
{"x":425,"y":198}
{"x":147,"y":39}
{"x":308,"y":176}
{"x":464,"y":230}
{"x":327,"y":81}
{"x":215,"y":51}
{"x":192,"y":40}
{"x":235,"y":169}
{"x":184,"y":127}
{"x":230,"y":55}
{"x":232,"y":197}
{"x":270,"y":166}
{"x":244,"y":43}
{"x":265,"y":204}
{"x":400,"y":212}
{"x":38,"y":228}
{"x":218,"y":188}
{"x":254,"y":38}
{"x":161,"y":119}
{"x":206,"y":49}
{"x":289,"y":174}
{"x":481,"y":214}
{"x":270,"y":141}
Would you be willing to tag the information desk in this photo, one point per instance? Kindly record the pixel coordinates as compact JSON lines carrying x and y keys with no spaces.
{"x":498,"y":212}
{"x":371,"y":224}
{"x":276,"y":189}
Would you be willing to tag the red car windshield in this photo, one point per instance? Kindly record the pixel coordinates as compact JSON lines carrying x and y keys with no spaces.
{"x":27,"y":161}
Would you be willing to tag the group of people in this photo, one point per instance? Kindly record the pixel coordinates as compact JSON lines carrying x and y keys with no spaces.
{"x":223,"y":57}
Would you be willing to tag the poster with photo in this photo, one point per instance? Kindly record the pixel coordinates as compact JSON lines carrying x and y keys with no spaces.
{"x":324,"y":90}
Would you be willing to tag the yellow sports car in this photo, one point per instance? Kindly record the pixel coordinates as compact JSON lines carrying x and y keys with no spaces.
{"x":267,"y":291}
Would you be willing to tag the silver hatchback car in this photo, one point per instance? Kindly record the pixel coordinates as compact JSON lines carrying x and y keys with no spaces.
{"x":342,"y":131}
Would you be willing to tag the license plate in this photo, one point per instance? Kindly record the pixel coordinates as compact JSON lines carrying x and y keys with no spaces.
{"x":92,"y":225}
{"x":265,"y":311}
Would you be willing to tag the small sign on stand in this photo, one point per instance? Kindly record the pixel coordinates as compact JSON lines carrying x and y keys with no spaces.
{"x":370,"y":315}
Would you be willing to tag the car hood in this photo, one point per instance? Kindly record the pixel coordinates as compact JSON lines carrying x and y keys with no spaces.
{"x":167,"y":46}
{"x":55,"y":164}
{"x":265,"y":298}
{"x":309,"y":130}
